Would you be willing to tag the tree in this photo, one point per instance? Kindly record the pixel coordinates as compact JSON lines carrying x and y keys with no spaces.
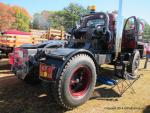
{"x":6,"y":17}
{"x":57,"y":19}
{"x":72,"y":14}
{"x":47,"y":19}
{"x":147,"y":30}
{"x":14,"y":17}
{"x":22,"y":18}
{"x":41,"y":20}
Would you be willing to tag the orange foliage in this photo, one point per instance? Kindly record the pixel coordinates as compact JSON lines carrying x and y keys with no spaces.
{"x":7,"y":16}
{"x":21,"y":10}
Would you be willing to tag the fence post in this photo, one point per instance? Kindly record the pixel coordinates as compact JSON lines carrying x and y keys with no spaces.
{"x":15,"y":41}
{"x":33,"y":41}
{"x":49,"y":34}
{"x":62,"y":33}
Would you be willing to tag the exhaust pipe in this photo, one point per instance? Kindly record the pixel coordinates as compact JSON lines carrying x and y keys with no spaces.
{"x":119,"y":30}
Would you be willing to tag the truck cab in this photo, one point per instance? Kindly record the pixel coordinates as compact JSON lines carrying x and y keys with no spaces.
{"x":93,"y":29}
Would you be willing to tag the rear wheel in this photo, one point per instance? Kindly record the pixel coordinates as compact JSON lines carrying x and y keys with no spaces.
{"x":76,"y":82}
{"x":134,"y":64}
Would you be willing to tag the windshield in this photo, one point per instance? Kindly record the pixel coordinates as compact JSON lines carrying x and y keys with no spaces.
{"x":95,"y":22}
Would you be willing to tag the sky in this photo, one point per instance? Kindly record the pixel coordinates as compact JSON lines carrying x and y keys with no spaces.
{"x":139,"y":8}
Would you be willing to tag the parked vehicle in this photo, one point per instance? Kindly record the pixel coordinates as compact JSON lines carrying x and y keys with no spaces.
{"x":95,"y":41}
{"x":14,"y":38}
{"x":24,"y":59}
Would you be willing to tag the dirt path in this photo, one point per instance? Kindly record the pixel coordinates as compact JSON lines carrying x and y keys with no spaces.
{"x":19,"y":97}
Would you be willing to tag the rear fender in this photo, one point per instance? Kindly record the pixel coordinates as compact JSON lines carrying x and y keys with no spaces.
{"x":60,"y":63}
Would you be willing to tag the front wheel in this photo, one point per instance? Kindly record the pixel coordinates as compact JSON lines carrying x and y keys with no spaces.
{"x":76,"y":82}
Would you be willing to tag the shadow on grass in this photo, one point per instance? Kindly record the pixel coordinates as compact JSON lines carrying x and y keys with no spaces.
{"x":5,"y":66}
{"x":19,"y":97}
{"x":105,"y":93}
{"x":6,"y":72}
{"x":4,"y":56}
{"x":147,"y":109}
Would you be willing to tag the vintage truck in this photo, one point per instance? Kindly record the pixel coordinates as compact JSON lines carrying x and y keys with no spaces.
{"x":100,"y":38}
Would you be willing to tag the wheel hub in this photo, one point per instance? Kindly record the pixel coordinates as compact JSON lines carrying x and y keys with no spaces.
{"x":80,"y":81}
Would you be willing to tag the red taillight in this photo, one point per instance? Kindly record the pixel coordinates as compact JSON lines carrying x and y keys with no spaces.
{"x":11,"y":58}
{"x":42,"y":67}
{"x":49,"y":70}
{"x":46,"y":71}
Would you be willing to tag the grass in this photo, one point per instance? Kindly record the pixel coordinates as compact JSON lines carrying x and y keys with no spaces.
{"x":18,"y":97}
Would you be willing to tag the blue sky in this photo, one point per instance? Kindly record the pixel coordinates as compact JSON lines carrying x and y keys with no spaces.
{"x":139,"y":8}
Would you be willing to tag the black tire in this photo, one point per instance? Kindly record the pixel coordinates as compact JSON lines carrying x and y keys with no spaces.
{"x":134,"y":64}
{"x":72,"y":81}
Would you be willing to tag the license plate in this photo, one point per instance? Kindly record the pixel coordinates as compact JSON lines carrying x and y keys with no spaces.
{"x":46,"y":71}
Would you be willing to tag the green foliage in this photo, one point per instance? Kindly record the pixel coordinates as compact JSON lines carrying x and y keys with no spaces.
{"x":14,"y":17}
{"x":147,"y":29}
{"x":72,"y":14}
{"x":57,"y":19}
{"x":22,"y":19}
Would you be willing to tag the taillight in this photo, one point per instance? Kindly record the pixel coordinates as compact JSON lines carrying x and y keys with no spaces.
{"x":11,"y":58}
{"x":46,"y":71}
{"x":42,"y":68}
{"x":49,"y":70}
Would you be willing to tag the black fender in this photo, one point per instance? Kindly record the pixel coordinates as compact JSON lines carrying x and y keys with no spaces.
{"x":63,"y":59}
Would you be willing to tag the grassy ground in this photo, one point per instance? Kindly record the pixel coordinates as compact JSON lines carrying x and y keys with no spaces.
{"x":19,"y":97}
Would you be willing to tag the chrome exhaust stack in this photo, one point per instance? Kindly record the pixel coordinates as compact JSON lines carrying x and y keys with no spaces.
{"x":119,"y":30}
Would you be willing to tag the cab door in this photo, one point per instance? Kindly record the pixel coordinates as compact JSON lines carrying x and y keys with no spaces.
{"x":130,"y":34}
